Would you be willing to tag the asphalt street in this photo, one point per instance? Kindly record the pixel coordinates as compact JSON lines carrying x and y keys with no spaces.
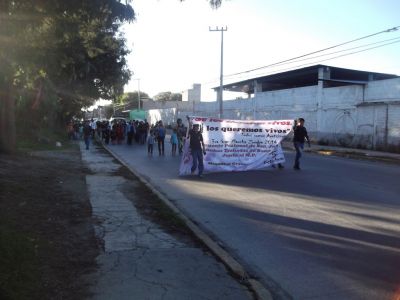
{"x":329,"y":231}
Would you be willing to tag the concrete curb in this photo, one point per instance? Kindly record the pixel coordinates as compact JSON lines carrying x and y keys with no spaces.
{"x":260,"y":292}
{"x":354,"y":155}
{"x":349,"y":153}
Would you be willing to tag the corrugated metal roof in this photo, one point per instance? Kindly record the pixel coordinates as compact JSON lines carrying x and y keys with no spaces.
{"x":307,"y":76}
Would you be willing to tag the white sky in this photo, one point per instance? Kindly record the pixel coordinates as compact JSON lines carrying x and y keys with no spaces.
{"x":172,"y":47}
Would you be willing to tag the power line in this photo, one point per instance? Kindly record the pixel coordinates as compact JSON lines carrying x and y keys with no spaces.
{"x":316,"y":62}
{"x":295,"y":60}
{"x":318,"y":51}
{"x":395,"y":40}
{"x":344,"y":50}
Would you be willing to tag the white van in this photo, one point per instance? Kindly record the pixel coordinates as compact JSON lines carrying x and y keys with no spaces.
{"x":115,"y":119}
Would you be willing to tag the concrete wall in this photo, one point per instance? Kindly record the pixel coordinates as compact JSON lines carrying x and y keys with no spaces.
{"x":354,"y":116}
{"x":383,"y":90}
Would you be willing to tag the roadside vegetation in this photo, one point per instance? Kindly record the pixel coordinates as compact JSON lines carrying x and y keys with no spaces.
{"x":47,"y":242}
{"x":19,"y":273}
{"x":43,"y":139}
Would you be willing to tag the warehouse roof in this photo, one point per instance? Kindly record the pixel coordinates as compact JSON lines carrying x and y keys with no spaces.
{"x":307,"y":76}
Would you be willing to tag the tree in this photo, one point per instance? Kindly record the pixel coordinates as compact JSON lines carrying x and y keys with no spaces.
{"x":168,"y":96}
{"x":130,"y":99}
{"x":213,"y":3}
{"x":57,"y":56}
{"x":61,"y":55}
{"x":176,"y":97}
{"x":108,"y":111}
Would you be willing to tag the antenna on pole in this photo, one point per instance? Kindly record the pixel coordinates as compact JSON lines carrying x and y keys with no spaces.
{"x":220,"y":92}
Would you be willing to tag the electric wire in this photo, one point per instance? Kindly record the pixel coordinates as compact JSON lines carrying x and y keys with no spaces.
{"x":317,"y":62}
{"x":318,"y":51}
{"x":240,"y":75}
{"x":340,"y":51}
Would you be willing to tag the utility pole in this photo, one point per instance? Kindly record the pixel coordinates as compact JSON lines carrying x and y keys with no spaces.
{"x":220,"y":92}
{"x":138,"y":91}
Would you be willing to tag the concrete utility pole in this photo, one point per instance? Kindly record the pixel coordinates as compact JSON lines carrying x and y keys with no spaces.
{"x":138,"y":91}
{"x":220,"y":92}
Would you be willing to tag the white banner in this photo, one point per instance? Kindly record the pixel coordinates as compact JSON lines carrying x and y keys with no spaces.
{"x":238,"y":145}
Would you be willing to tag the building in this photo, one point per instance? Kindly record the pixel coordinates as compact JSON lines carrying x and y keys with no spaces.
{"x":341,"y":106}
{"x":325,"y":76}
{"x":193,"y":94}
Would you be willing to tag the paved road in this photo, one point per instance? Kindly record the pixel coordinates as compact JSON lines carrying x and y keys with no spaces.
{"x":330,"y":231}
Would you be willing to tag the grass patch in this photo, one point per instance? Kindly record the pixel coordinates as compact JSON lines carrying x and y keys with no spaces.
{"x":43,"y":140}
{"x":19,"y":272}
{"x":162,"y":211}
{"x":150,"y":205}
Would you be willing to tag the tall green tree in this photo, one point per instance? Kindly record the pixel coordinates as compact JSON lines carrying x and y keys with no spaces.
{"x":58,"y":55}
{"x":132,"y":98}
{"x":168,"y":96}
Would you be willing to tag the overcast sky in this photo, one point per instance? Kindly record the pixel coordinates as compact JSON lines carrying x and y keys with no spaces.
{"x":172,"y":47}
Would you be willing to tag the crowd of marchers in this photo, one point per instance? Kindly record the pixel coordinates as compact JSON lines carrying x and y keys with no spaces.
{"x":120,"y":131}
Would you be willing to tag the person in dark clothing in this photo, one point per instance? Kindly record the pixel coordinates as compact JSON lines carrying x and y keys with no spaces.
{"x":299,"y":137}
{"x":160,"y":137}
{"x":87,"y":132}
{"x":131,"y":132}
{"x":181,"y":132}
{"x":197,"y":149}
{"x":106,"y":132}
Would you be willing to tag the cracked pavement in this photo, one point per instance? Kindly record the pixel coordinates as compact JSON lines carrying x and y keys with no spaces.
{"x":140,"y":260}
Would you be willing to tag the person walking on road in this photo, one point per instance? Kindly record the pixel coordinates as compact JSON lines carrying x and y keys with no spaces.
{"x":181,"y":133}
{"x":160,"y":138}
{"x":197,"y":149}
{"x":150,"y":143}
{"x":299,"y":137}
{"x":174,"y":142}
{"x":87,"y":132}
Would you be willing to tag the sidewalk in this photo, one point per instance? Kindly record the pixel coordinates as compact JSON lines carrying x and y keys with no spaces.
{"x":140,"y":259}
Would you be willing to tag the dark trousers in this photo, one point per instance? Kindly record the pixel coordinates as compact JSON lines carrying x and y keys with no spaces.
{"x":150,"y":148}
{"x":129,"y":138}
{"x":299,"y":149}
{"x":197,"y":156}
{"x":160,"y":141}
{"x":87,"y":141}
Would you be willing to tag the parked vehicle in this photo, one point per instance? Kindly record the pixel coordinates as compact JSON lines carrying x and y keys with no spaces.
{"x":115,"y":119}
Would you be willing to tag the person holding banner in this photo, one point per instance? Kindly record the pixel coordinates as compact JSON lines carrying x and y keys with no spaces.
{"x":181,"y":132}
{"x":197,"y":149}
{"x":300,"y":135}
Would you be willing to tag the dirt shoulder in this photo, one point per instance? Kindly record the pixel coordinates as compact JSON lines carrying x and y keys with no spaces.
{"x":47,"y":240}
